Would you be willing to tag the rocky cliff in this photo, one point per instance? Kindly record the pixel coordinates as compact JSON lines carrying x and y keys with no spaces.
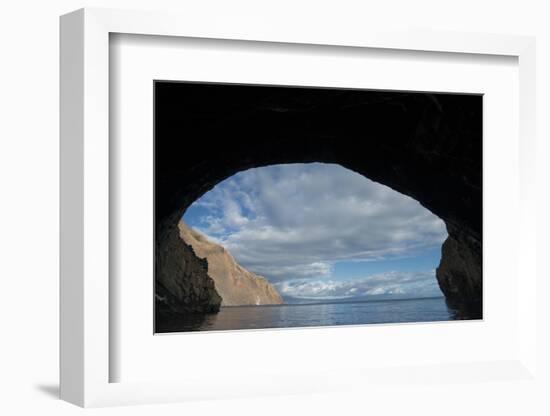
{"x":195,"y":276}
{"x":235,"y":284}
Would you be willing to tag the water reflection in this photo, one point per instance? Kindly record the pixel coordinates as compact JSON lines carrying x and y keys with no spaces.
{"x":308,"y":315}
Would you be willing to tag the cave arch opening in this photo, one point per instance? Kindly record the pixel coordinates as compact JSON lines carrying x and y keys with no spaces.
{"x":316,"y":232}
{"x":423,"y":145}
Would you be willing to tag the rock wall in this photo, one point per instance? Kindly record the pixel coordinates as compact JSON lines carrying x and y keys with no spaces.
{"x":182,"y":284}
{"x":235,"y":284}
{"x":459,"y":275}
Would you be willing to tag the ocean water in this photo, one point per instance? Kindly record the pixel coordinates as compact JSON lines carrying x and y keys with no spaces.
{"x":317,"y":314}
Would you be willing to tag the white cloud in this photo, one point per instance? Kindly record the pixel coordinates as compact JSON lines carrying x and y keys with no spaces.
{"x":391,"y":283}
{"x":295,"y":221}
{"x":275,"y":272}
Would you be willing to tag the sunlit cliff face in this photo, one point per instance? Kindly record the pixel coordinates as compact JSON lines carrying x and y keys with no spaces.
{"x":320,"y":231}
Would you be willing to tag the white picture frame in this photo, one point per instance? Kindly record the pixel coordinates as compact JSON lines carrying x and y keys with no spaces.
{"x":85,"y":221}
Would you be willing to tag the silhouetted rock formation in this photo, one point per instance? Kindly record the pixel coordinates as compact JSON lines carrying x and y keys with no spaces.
{"x":182,"y":284}
{"x":459,"y":276}
{"x":427,"y":146}
{"x":235,"y":284}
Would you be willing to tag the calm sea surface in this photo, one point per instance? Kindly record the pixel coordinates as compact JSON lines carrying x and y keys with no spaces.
{"x":319,"y":314}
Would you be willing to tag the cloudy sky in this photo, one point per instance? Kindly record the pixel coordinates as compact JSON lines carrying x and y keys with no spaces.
{"x":319,"y":231}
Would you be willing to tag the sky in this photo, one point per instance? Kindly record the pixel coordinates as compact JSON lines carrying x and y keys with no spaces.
{"x":322,"y":232}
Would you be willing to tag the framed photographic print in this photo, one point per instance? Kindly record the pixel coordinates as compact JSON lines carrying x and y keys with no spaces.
{"x":299,"y":200}
{"x":295,"y":232}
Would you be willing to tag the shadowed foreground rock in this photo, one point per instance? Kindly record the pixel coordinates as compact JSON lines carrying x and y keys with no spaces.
{"x":426,"y":146}
{"x":459,"y":277}
{"x":182,"y":284}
